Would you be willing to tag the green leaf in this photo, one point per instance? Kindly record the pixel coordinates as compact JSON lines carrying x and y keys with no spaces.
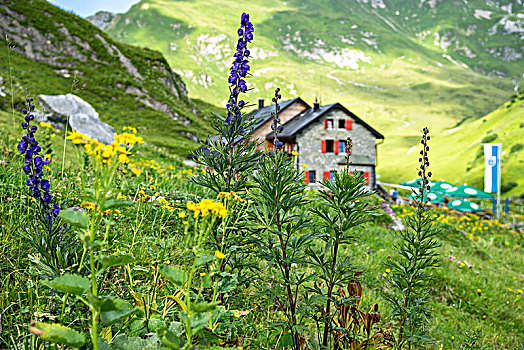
{"x":116,"y":203}
{"x":228,"y":283}
{"x":174,"y":275}
{"x":71,"y":284}
{"x":177,"y":328}
{"x":115,"y":310}
{"x":198,"y":321}
{"x":58,"y":334}
{"x":204,"y":259}
{"x":75,"y":218}
{"x":123,"y":342}
{"x":116,"y":260}
{"x":204,"y":306}
{"x":169,"y":340}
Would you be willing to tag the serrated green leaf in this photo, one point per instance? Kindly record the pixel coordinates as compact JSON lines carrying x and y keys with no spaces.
{"x":173,"y":274}
{"x":116,"y":260}
{"x":71,"y":284}
{"x":58,"y":334}
{"x":228,"y":283}
{"x":75,"y":218}
{"x":115,"y":310}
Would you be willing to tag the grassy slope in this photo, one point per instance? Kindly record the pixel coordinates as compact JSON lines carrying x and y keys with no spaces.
{"x":102,"y":84}
{"x":408,"y":83}
{"x":457,"y":155}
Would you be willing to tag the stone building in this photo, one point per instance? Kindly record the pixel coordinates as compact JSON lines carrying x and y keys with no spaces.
{"x":319,"y":135}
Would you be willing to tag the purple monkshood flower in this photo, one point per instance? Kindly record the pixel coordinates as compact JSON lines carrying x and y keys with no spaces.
{"x":239,"y":70}
{"x":34,"y":164}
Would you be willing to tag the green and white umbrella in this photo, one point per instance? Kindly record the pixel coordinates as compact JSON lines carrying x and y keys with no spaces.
{"x":415,"y":183}
{"x":463,"y":205}
{"x":441,"y":187}
{"x":465,"y":191}
{"x":431,"y":197}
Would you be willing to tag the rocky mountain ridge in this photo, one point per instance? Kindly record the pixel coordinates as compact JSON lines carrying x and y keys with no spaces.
{"x":60,"y":52}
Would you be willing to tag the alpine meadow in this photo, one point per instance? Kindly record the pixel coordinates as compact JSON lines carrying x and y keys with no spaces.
{"x":300,"y":175}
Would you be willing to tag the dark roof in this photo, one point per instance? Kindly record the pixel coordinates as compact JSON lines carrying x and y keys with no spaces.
{"x":263,"y":115}
{"x":299,"y":122}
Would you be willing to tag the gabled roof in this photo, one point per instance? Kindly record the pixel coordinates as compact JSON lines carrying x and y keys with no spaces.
{"x":263,"y":115}
{"x":304,"y":119}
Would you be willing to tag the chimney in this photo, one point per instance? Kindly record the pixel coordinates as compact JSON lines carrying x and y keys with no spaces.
{"x":316,"y":106}
{"x":260,"y":103}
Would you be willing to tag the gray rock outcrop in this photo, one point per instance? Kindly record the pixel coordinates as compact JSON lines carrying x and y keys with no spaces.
{"x":82,"y":116}
{"x":101,"y":19}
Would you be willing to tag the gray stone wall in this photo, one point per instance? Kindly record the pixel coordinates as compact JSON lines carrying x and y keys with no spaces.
{"x":310,"y":153}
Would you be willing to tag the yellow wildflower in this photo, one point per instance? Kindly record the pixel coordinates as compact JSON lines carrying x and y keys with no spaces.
{"x":77,"y":138}
{"x":219,"y":255}
{"x":45,"y":125}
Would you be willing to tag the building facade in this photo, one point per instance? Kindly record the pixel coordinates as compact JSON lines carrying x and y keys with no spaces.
{"x":318,"y":134}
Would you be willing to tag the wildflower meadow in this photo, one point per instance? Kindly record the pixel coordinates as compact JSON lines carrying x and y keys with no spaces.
{"x":125,"y":246}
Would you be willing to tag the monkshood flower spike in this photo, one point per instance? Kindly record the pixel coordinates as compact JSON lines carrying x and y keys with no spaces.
{"x":424,"y":164}
{"x":239,"y":71}
{"x":34,"y":164}
{"x":276,"y":127}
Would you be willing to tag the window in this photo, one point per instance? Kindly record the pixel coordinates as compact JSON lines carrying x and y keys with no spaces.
{"x":330,"y":146}
{"x":328,"y":123}
{"x":342,"y":146}
{"x":312,"y":176}
{"x":342,"y":123}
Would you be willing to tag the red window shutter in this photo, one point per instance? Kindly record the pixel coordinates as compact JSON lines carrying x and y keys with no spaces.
{"x":323,"y":146}
{"x":306,"y":176}
{"x":325,"y":123}
{"x":336,"y":146}
{"x":326,"y":175}
{"x":349,"y":124}
{"x":366,"y":177}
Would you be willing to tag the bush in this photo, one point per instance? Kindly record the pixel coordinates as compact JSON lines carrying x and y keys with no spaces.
{"x":489,"y":138}
{"x":517,"y":147}
{"x":508,"y":186}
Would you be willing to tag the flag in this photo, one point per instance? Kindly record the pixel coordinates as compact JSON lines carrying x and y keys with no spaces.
{"x":492,"y":153}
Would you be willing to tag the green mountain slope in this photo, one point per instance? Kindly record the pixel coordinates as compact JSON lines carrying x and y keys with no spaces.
{"x":56,"y":52}
{"x":400,"y":65}
{"x":463,"y":145}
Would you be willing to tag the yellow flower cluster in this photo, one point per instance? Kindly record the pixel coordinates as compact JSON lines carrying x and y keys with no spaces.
{"x":106,"y":153}
{"x":128,"y":138}
{"x":185,"y":172}
{"x":472,"y":226}
{"x":165,"y":204}
{"x":162,"y":172}
{"x":231,"y":195}
{"x":207,"y":207}
{"x":88,"y":205}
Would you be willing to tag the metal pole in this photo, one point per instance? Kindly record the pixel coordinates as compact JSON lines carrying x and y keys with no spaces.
{"x":499,"y":179}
